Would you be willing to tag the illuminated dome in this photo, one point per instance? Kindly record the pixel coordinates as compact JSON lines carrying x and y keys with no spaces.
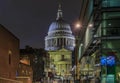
{"x":59,"y":34}
{"x":59,"y":24}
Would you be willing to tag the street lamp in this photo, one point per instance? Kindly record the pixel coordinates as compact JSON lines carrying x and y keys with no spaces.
{"x":76,"y":28}
{"x":77,"y":25}
{"x":79,"y":29}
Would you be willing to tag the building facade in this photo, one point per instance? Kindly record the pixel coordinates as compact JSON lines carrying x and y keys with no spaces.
{"x":24,"y":72}
{"x":35,"y":59}
{"x":9,"y":56}
{"x":60,"y":43}
{"x":99,"y":41}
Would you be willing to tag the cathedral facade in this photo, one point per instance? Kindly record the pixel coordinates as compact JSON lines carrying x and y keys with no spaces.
{"x":60,"y":43}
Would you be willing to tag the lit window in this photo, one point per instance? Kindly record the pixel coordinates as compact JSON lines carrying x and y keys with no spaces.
{"x":9,"y":55}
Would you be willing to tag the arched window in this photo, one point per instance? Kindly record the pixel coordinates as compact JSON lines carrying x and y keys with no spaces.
{"x":9,"y":56}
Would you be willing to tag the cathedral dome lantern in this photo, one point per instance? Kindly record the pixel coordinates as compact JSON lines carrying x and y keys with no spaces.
{"x":59,"y":34}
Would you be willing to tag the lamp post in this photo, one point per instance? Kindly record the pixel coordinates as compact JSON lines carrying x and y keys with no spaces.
{"x":79,"y":29}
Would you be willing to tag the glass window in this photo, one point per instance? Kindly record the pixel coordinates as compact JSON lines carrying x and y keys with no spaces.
{"x":111,"y":3}
{"x":111,"y":27}
{"x":9,"y":55}
{"x":110,"y":15}
{"x":110,"y":24}
{"x":89,"y":10}
{"x":111,"y":44}
{"x":111,"y":47}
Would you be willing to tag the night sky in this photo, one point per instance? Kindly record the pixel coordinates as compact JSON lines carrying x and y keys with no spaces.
{"x":29,"y":20}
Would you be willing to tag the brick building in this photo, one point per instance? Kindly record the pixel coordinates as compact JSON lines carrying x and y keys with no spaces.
{"x":24,"y":72}
{"x":9,"y":56}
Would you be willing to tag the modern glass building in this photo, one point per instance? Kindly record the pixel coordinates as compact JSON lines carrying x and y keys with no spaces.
{"x":99,"y":47}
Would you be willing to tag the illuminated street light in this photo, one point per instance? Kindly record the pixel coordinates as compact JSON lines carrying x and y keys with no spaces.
{"x":78,"y":27}
{"x":90,"y":25}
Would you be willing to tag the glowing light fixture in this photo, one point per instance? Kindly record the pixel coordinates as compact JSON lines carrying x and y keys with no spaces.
{"x":109,"y":61}
{"x":78,"y":25}
{"x":90,"y":25}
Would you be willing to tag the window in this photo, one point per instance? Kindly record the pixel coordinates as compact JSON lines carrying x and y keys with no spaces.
{"x":62,"y":57}
{"x":110,"y":24}
{"x":111,"y":3}
{"x":9,"y":56}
